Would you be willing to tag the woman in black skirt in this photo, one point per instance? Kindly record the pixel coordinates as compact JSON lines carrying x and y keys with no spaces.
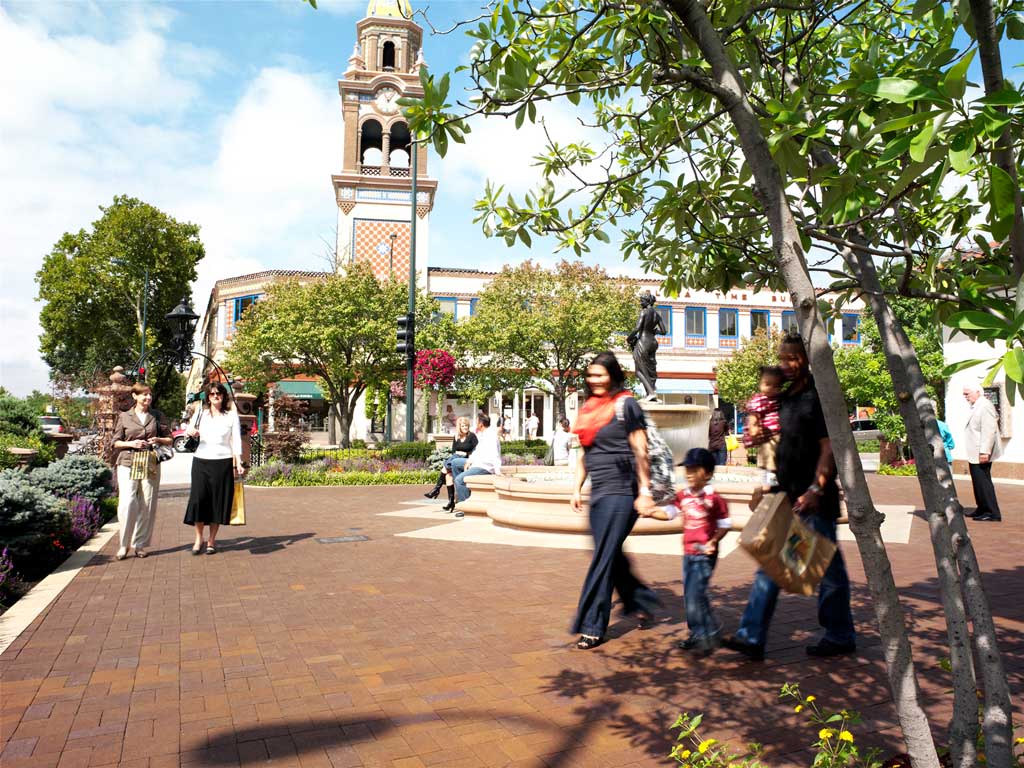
{"x":216,"y":462}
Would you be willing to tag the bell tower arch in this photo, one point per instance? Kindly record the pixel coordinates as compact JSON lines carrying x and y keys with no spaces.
{"x":373,"y":191}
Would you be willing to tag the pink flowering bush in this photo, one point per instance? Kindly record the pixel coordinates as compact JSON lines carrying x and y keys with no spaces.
{"x":435,"y":369}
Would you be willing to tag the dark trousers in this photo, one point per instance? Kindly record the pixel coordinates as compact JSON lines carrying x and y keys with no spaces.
{"x":984,"y":491}
{"x":833,"y":598}
{"x":611,"y":520}
{"x":721,"y":456}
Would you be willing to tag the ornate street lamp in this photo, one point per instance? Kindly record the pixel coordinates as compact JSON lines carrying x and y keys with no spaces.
{"x":183,"y":322}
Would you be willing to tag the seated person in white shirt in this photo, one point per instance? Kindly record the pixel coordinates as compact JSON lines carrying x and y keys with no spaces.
{"x":485,"y":460}
{"x":561,"y":443}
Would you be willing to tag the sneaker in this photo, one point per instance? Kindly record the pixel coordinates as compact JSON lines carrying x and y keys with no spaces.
{"x":987,"y":517}
{"x":826,"y":649}
{"x":752,"y":651}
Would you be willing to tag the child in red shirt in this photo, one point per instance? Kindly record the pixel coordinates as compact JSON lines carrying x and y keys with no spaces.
{"x":705,"y":523}
{"x":762,"y":425}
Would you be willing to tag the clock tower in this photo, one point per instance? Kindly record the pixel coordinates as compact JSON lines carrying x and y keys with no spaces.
{"x":374,"y":189}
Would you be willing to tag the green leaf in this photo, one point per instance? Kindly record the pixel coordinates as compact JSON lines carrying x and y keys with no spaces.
{"x":920,"y":143}
{"x":963,"y":365}
{"x":1013,"y":363}
{"x":896,"y":89}
{"x":954,"y":82}
{"x":973,"y":320}
{"x":902,"y":123}
{"x":1001,"y":207}
{"x":1007,"y":97}
{"x":961,"y":151}
{"x":895,"y":148}
{"x":1015,"y":27}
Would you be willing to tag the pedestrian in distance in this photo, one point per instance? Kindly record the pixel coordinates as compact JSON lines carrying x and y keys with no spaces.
{"x":806,"y":473}
{"x":216,"y":463}
{"x":136,"y":434}
{"x":705,"y":523}
{"x":612,"y":431}
{"x":718,"y":430}
{"x":980,"y":435}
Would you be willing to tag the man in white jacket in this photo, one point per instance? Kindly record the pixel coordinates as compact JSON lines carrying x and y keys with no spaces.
{"x":980,"y":444}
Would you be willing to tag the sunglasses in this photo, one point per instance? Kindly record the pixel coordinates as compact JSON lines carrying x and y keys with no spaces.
{"x":215,"y":394}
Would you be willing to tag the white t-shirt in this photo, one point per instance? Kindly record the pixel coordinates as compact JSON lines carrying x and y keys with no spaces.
{"x":220,"y":435}
{"x":487,"y":454}
{"x":560,"y":443}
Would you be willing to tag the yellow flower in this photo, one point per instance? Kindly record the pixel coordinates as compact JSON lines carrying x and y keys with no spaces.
{"x":1019,"y":740}
{"x":685,"y":754}
{"x":705,"y":745}
{"x":825,"y":733}
{"x":809,"y":699}
{"x":846,"y":736}
{"x":798,"y":708}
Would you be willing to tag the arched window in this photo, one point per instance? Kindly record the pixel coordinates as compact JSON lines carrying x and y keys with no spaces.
{"x":399,"y":157}
{"x":387,"y":59}
{"x":370,"y":143}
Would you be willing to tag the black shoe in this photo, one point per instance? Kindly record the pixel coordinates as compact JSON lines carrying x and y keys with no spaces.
{"x":433,"y":494}
{"x":826,"y":649}
{"x":972,"y":513}
{"x":752,"y":651}
{"x":451,"y":499}
{"x":688,"y":644}
{"x":987,"y":517}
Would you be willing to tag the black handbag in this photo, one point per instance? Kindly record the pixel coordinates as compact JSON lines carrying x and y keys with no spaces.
{"x":191,"y":443}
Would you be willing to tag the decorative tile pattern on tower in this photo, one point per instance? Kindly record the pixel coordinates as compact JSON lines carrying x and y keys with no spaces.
{"x":371,"y":244}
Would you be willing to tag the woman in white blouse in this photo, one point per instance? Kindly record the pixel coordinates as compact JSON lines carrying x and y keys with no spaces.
{"x":215,"y":464}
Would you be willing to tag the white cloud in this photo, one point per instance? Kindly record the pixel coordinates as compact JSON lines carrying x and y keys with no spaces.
{"x":113,"y":111}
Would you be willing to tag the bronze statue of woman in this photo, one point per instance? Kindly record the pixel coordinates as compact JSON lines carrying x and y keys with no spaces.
{"x":644,"y":343}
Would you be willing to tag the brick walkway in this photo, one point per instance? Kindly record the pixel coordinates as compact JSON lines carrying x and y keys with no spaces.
{"x":408,"y":652}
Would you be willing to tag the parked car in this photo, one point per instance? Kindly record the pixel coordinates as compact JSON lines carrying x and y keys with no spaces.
{"x":179,"y":437}
{"x":865,"y":429}
{"x":52,"y":424}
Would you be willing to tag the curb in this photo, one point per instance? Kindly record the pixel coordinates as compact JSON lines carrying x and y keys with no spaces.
{"x":21,"y":615}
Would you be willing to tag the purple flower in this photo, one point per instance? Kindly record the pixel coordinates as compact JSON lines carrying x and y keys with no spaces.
{"x":85,"y":518}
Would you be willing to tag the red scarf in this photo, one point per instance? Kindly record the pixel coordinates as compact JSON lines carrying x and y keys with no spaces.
{"x":594,"y":415}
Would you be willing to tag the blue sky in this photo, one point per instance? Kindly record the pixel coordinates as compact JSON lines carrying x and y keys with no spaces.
{"x":222,"y":113}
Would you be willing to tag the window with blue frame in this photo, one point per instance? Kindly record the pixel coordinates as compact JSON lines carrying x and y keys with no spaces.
{"x":695,"y":326}
{"x":242,"y":303}
{"x":472,"y":306}
{"x":728,"y":327}
{"x":449,"y":306}
{"x":665,"y":312}
{"x":760,"y":319}
{"x":789,"y":324}
{"x":851,"y":329}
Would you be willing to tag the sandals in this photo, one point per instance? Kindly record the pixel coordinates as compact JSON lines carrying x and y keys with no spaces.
{"x":586,"y":642}
{"x":211,"y":550}
{"x":197,"y":550}
{"x":122,"y":553}
{"x":141,"y":553}
{"x":645,"y":620}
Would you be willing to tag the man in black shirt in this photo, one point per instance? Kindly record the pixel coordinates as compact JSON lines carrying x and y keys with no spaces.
{"x":806,"y":474}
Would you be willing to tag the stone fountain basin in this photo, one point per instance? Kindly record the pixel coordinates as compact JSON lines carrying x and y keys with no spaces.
{"x":537,"y":498}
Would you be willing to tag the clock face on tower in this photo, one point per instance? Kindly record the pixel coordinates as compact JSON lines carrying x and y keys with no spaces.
{"x":387,"y":101}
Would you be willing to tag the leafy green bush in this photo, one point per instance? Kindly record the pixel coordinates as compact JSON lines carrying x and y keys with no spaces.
{"x":47,"y":451}
{"x":538,"y":448}
{"x":437,"y":459}
{"x":419,"y":450}
{"x":286,"y":446}
{"x":29,"y":517}
{"x":868,"y":446}
{"x":17,"y":417}
{"x":85,"y":476}
{"x":304,"y":477}
{"x":335,"y":453}
{"x":906,"y":469}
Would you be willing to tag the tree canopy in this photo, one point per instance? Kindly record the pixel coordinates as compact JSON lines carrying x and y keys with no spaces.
{"x":94,"y":287}
{"x":545,"y":323}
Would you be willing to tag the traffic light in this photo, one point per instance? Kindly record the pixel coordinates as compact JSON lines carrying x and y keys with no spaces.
{"x":406,"y":336}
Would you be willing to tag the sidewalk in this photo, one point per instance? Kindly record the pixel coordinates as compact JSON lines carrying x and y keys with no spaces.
{"x":409,"y":651}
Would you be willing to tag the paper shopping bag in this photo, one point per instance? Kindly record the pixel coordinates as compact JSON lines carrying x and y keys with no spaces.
{"x":238,"y":505}
{"x":792,"y":554}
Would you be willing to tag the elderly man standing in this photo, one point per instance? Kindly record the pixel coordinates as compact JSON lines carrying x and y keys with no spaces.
{"x":980,"y":443}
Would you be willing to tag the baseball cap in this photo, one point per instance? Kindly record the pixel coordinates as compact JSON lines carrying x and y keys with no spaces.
{"x":699,"y":457}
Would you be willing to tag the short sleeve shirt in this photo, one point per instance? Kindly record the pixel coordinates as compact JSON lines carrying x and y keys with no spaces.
{"x":703,"y":513}
{"x":609,"y":460}
{"x":801,"y":430}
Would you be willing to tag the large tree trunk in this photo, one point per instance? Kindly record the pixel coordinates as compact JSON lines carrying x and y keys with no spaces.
{"x":1003,"y":154}
{"x":865,"y":520}
{"x":558,"y":396}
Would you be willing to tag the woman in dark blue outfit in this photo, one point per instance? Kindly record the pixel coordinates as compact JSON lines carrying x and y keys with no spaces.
{"x":610,"y":428}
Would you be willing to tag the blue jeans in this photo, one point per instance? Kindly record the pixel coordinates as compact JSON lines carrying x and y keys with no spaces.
{"x":461,"y":491}
{"x":699,"y":616}
{"x":611,"y":520}
{"x":833,"y":598}
{"x":721,"y":456}
{"x":455,"y":464}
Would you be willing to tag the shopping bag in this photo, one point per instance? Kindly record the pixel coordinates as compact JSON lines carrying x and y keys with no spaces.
{"x":141,"y":465}
{"x":792,"y":554}
{"x":731,"y":443}
{"x":238,"y":505}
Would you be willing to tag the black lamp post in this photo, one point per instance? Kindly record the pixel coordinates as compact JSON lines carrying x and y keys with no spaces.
{"x":183,"y":322}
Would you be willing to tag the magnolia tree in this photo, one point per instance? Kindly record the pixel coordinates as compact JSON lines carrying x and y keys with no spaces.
{"x":761,"y":144}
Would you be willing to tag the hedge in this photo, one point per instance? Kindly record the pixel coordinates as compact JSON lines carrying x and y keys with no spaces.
{"x":47,"y":451}
{"x":302,"y":477}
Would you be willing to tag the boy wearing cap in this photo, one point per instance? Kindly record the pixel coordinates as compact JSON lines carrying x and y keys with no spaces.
{"x":705,"y":523}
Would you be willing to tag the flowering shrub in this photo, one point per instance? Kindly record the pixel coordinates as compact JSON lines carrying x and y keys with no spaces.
{"x":520,"y":460}
{"x":835,"y":746}
{"x":379,"y":469}
{"x":397,"y":389}
{"x":899,"y":468}
{"x":9,"y":581}
{"x":86,"y":518}
{"x":29,"y":516}
{"x":434,"y":369}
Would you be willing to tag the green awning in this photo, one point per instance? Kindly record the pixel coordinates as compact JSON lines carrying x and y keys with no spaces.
{"x":301,"y":390}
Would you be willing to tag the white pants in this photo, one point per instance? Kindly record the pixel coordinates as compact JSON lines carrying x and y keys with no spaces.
{"x":136,"y":507}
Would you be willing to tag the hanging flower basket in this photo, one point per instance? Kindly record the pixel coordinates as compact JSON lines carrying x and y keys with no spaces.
{"x":435,"y":369}
{"x":397,"y":389}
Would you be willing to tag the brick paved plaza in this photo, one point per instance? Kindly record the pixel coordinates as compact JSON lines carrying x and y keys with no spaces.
{"x":403,"y":651}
